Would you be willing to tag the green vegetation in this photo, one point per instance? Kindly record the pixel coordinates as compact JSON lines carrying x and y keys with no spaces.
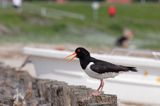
{"x":41,"y":23}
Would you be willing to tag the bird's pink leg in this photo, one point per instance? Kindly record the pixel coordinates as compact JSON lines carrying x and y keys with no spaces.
{"x":102,"y":85}
{"x":96,"y":93}
{"x":101,"y":82}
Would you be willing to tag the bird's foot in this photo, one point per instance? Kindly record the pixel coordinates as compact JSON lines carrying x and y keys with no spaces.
{"x":96,"y":93}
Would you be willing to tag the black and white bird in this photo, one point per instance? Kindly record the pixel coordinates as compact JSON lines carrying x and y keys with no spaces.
{"x":98,"y":69}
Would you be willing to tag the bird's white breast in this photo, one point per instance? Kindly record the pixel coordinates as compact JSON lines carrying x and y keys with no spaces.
{"x":93,"y":74}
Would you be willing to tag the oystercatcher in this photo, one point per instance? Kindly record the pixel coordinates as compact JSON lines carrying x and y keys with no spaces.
{"x":98,"y":69}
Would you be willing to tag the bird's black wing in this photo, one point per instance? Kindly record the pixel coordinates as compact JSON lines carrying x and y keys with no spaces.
{"x":102,"y":67}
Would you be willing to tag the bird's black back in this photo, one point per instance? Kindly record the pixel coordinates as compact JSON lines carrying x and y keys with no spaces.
{"x":101,"y":67}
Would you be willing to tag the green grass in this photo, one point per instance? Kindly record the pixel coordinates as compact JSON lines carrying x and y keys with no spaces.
{"x":29,"y":26}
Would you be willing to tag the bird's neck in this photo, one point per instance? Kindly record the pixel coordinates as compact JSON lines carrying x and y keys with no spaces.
{"x":85,"y":61}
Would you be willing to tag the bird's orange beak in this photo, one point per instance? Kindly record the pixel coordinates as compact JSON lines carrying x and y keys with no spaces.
{"x":71,"y":57}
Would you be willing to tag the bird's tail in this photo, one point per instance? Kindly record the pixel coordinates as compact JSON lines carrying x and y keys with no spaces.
{"x":133,"y":69}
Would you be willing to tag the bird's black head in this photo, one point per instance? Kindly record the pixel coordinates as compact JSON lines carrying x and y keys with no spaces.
{"x":82,"y":53}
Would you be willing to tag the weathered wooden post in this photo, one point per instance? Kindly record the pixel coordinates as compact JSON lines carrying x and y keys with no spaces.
{"x":47,"y":92}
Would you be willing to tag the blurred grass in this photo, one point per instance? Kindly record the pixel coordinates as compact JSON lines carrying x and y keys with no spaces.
{"x":29,"y":26}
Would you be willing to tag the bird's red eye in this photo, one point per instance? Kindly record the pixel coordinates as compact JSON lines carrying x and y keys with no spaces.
{"x":78,"y":50}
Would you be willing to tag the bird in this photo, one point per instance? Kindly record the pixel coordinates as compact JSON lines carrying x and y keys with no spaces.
{"x":97,"y":69}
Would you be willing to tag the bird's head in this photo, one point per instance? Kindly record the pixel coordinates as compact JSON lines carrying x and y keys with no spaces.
{"x":80,"y":53}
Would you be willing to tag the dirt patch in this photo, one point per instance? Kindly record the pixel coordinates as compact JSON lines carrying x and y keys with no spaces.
{"x":11,"y":51}
{"x":3,"y":29}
